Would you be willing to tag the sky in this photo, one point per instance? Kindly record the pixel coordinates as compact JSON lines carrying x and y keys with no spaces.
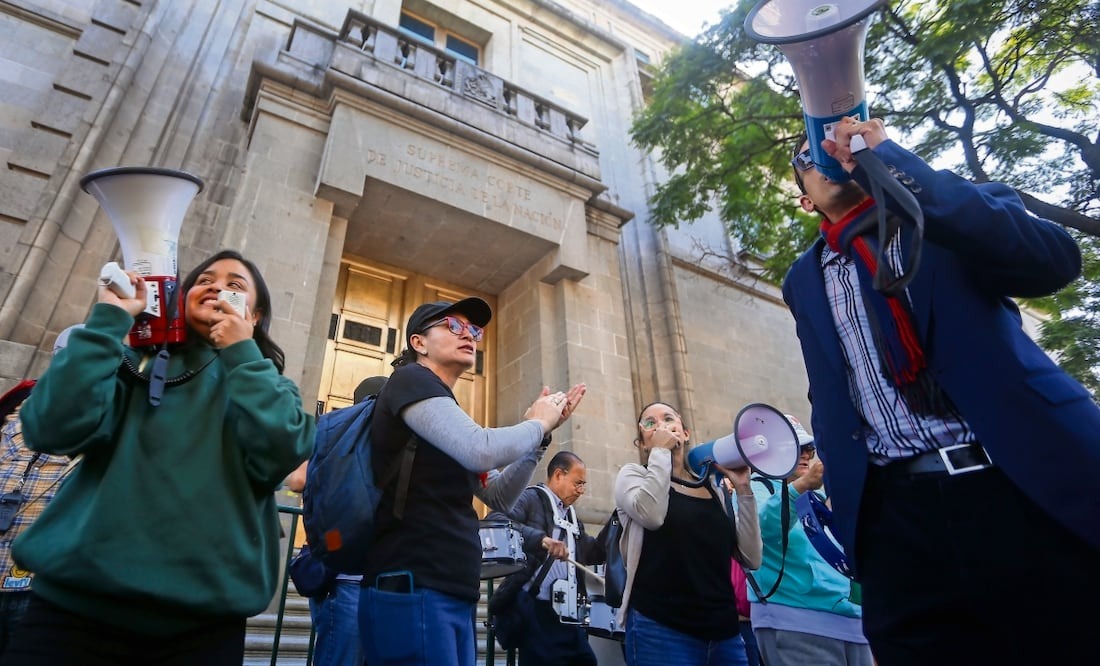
{"x":687,"y":16}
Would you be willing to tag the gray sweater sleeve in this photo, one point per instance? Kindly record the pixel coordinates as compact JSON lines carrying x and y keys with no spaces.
{"x":504,"y":487}
{"x":443,"y":423}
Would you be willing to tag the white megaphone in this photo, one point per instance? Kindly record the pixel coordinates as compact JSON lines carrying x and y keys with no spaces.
{"x":146,"y":206}
{"x":823,"y":42}
{"x":762,"y":439}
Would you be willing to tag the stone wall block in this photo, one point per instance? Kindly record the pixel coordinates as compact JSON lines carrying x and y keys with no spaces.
{"x":117,"y":15}
{"x":84,"y":76}
{"x":98,"y":42}
{"x":19,"y":193}
{"x":39,"y":151}
{"x":62,"y":112}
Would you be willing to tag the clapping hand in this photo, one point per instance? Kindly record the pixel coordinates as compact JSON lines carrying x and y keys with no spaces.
{"x":553,"y":408}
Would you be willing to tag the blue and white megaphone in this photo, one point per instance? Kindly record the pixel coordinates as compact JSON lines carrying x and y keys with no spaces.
{"x":823,"y":41}
{"x":762,"y":439}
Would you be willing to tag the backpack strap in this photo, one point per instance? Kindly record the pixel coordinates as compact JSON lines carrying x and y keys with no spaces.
{"x":404,"y":477}
{"x":402,"y":469}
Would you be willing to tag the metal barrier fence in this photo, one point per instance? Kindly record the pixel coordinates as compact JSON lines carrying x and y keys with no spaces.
{"x":294,"y":512}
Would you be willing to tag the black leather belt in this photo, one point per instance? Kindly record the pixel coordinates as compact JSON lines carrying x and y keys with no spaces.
{"x":948,"y":461}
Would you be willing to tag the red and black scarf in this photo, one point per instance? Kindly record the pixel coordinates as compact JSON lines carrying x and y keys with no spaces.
{"x":900,"y":353}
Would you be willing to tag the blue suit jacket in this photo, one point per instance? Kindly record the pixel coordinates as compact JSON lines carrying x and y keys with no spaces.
{"x":1039,"y":425}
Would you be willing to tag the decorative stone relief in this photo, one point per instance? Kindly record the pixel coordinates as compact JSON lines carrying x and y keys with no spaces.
{"x":480,"y":87}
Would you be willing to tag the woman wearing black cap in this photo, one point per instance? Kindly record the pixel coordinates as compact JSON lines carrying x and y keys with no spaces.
{"x":423,"y":573}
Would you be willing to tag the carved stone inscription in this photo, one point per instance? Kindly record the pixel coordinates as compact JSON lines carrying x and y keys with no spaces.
{"x":364,"y":146}
{"x":430,"y":171}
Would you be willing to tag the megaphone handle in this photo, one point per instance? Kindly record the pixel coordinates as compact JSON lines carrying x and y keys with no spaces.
{"x":857,"y":144}
{"x":114,"y":278}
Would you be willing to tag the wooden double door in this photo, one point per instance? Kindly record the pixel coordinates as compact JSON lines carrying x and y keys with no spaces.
{"x":367,"y":332}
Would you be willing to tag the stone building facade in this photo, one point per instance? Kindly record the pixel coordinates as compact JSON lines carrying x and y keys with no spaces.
{"x":373,"y":154}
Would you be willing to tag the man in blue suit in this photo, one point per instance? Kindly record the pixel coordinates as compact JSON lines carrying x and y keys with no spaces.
{"x":960,"y":459}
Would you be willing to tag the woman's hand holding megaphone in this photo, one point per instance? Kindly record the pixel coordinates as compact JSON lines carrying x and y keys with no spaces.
{"x":135,"y":305}
{"x":736,"y":479}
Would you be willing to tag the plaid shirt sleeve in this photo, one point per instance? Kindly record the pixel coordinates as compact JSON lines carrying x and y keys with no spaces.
{"x":43,"y":477}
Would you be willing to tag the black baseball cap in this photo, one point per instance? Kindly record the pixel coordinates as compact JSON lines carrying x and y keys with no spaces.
{"x":475,"y":309}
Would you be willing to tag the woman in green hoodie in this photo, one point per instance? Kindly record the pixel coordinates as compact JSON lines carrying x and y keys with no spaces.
{"x":165,"y":539}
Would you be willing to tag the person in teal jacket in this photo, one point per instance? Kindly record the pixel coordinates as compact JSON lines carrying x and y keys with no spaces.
{"x":164,"y":540}
{"x":810,"y":617}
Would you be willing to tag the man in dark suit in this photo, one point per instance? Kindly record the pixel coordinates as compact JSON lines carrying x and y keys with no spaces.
{"x":959,"y":458}
{"x":545,"y":517}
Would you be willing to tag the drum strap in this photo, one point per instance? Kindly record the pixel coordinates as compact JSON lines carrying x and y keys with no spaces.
{"x":569,"y":522}
{"x":570,"y":530}
{"x":536,"y":582}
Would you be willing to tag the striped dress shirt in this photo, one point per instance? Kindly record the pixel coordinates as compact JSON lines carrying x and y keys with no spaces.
{"x":892,"y":430}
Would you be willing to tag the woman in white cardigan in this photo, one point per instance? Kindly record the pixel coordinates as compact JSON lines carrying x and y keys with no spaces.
{"x":678,"y":536}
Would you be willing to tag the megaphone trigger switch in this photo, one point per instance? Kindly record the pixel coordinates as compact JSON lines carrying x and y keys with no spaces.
{"x":114,"y":278}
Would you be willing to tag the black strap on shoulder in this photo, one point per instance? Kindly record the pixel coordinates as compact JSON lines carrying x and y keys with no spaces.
{"x":404,"y":478}
{"x":402,"y":468}
{"x":547,"y":504}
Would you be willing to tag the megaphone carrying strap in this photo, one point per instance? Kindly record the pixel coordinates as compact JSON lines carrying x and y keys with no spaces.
{"x":785,"y":521}
{"x":137,"y":373}
{"x":158,"y":377}
{"x":885,"y":279}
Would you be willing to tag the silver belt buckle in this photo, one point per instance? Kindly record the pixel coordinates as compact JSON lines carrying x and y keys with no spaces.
{"x":952,"y":470}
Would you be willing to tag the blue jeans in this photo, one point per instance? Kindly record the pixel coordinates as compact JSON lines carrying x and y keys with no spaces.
{"x":650,"y":643}
{"x":421,"y":628}
{"x":336,"y":621}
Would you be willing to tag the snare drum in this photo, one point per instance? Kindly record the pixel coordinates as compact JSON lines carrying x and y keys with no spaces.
{"x":601,"y":620}
{"x":501,"y":549}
